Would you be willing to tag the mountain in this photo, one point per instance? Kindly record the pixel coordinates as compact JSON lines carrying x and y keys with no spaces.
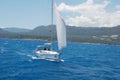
{"x":11,"y":35}
{"x":107,"y":35}
{"x":16,"y":30}
{"x":43,"y":30}
{"x":72,"y":30}
{"x":4,"y":34}
{"x":3,"y":31}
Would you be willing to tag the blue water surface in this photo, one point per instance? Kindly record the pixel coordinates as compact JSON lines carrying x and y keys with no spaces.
{"x":18,"y":61}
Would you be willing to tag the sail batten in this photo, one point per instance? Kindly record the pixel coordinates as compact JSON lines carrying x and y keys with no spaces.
{"x":61,"y":29}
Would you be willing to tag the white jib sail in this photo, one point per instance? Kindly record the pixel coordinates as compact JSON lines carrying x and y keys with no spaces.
{"x":61,"y":29}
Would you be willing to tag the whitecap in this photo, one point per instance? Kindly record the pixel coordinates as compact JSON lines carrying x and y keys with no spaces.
{"x":34,"y":57}
{"x":2,"y":50}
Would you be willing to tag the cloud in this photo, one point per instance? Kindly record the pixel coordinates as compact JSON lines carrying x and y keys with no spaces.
{"x":118,"y":7}
{"x":91,"y":14}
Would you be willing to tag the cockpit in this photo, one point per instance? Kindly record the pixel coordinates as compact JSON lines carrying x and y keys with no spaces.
{"x":46,"y":46}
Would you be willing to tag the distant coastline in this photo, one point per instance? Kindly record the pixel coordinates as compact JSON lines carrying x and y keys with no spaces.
{"x":96,"y":43}
{"x":103,"y":35}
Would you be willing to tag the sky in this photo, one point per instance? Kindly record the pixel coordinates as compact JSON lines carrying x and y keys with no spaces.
{"x":86,"y":13}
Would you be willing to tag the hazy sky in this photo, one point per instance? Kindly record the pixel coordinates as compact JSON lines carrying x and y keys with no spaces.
{"x":32,"y":13}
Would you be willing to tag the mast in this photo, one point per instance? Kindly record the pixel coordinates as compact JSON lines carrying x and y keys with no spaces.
{"x":51,"y":22}
{"x":52,"y":13}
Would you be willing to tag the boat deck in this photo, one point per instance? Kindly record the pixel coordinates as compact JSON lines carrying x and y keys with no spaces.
{"x":46,"y":52}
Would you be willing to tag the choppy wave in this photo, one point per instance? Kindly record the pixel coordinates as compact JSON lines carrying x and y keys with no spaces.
{"x":18,"y":61}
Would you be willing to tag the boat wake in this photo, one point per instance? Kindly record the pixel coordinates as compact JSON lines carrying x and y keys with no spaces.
{"x":34,"y":57}
{"x":58,"y":60}
{"x":28,"y":55}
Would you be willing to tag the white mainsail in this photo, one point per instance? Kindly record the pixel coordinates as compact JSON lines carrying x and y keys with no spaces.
{"x":61,"y":29}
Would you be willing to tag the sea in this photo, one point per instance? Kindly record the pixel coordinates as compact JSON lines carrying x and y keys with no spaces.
{"x":79,"y":61}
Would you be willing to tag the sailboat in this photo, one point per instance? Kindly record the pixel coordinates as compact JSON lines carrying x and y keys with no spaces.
{"x":46,"y":52}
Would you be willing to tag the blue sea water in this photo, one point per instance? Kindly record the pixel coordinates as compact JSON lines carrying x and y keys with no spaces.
{"x":18,"y":61}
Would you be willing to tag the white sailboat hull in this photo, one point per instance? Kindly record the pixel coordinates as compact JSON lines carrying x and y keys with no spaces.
{"x":50,"y":55}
